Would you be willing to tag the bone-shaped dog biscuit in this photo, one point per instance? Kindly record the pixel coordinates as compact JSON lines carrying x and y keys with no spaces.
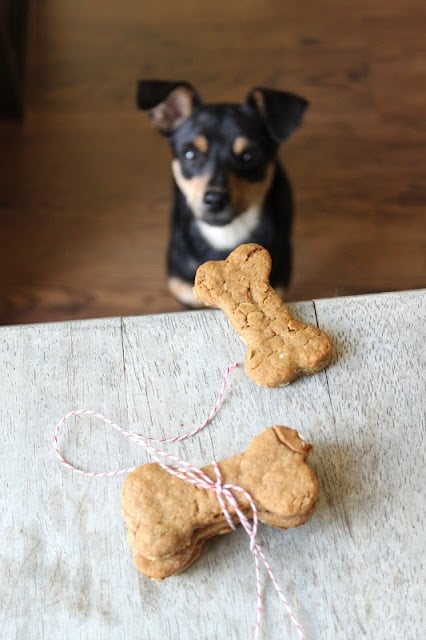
{"x":279,"y":348}
{"x":168,"y":520}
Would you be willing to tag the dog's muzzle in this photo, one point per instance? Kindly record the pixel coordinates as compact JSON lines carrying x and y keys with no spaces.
{"x":216,"y":200}
{"x":216,"y":209}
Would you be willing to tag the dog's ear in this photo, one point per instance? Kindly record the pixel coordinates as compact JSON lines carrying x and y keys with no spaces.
{"x":169,"y":103}
{"x":281,"y":111}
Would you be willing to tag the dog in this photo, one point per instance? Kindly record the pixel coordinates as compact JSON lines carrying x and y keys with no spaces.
{"x":229,"y":186}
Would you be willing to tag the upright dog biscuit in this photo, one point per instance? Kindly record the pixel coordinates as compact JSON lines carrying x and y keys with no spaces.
{"x":280,"y":348}
{"x":168,"y":520}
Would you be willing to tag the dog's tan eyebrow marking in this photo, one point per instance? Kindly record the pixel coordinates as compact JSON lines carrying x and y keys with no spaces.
{"x":201,"y":143}
{"x":241,"y":143}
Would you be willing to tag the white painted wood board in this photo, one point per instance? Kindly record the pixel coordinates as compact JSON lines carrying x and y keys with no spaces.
{"x":353,"y":571}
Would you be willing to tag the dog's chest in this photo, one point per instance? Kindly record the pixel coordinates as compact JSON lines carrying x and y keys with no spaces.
{"x":233,"y":234}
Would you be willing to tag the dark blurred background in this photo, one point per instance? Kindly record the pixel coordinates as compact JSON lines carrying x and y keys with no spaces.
{"x":85,"y":181}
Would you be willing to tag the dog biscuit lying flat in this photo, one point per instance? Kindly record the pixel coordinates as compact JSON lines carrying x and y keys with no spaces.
{"x":279,"y":347}
{"x":168,"y":520}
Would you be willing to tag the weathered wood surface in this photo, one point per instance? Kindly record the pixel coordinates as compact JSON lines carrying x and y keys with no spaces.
{"x":353,"y":571}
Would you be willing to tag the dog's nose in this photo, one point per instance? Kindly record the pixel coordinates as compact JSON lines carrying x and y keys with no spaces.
{"x":216,"y":200}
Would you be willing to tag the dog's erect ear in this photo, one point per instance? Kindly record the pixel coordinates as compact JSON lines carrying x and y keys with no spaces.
{"x":281,"y":111}
{"x":169,"y":103}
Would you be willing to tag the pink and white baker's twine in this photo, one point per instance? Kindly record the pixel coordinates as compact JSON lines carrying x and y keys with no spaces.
{"x":225,"y":492}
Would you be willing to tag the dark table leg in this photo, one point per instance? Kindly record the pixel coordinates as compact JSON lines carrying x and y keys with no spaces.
{"x":13,"y":27}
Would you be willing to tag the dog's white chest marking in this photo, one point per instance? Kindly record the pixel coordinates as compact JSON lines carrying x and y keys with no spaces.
{"x":233,"y":234}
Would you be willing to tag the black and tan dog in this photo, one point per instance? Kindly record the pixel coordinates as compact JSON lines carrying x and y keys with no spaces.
{"x":229,"y":187}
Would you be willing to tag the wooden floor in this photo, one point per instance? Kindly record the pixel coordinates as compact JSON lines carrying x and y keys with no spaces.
{"x":85,"y":181}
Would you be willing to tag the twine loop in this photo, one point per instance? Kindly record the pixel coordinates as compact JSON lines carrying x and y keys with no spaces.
{"x":225,"y":492}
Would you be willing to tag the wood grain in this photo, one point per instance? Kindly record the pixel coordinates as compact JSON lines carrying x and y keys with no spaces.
{"x":85,"y":182}
{"x":353,"y":571}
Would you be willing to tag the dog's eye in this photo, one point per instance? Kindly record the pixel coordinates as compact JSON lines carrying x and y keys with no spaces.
{"x":193,"y":158}
{"x":190,"y":154}
{"x":248,"y":158}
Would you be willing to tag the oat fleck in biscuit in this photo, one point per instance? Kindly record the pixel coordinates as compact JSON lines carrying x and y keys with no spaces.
{"x":168,"y":520}
{"x":280,"y":348}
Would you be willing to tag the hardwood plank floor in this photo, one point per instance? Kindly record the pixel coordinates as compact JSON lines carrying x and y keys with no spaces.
{"x":85,"y":181}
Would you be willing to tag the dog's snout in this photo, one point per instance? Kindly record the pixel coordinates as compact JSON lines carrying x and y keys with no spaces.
{"x":216,"y":200}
